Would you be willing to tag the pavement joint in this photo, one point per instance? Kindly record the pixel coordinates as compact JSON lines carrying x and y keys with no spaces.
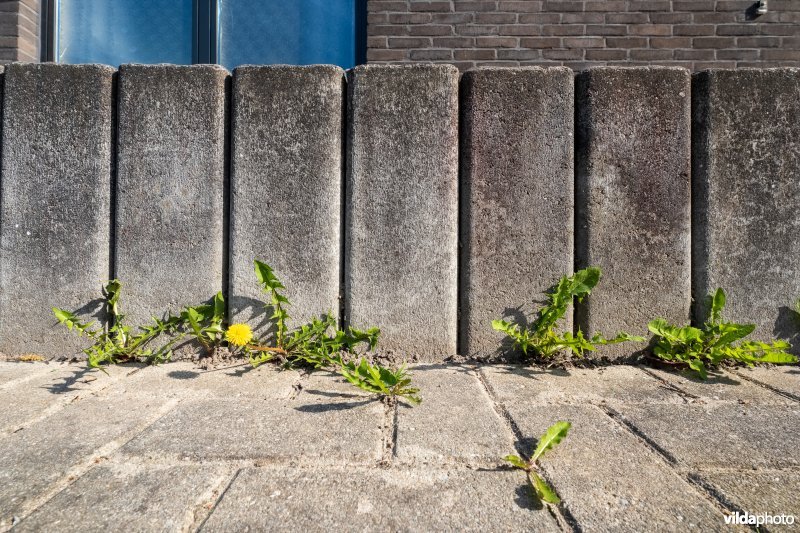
{"x":669,"y":386}
{"x":767,"y":386}
{"x":202,"y":513}
{"x":561,"y":513}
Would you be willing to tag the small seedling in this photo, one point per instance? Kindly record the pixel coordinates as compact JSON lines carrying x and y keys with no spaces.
{"x":388,"y":384}
{"x":118,"y":344}
{"x":541,"y":338}
{"x":204,"y":322}
{"x":548,"y":441}
{"x":706,"y":347}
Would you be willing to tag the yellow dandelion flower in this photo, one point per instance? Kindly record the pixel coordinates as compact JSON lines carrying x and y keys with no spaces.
{"x":239,"y":334}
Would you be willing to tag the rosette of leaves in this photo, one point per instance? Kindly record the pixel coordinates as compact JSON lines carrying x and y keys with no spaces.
{"x":554,"y":435}
{"x":541,"y":338}
{"x":118,"y":344}
{"x":205,"y":322}
{"x":716,"y":341}
{"x":388,"y":384}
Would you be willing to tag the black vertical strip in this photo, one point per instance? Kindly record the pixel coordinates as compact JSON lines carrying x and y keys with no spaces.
{"x":343,"y":201}
{"x":204,"y":20}
{"x":347,"y":144}
{"x":112,"y":238}
{"x":47,"y":31}
{"x":361,"y":31}
{"x":227,"y":200}
{"x":699,"y":196}
{"x":213,"y":31}
{"x":582,"y":144}
{"x":464,"y":214}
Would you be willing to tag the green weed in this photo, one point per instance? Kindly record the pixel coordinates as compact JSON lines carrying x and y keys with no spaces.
{"x":554,"y":435}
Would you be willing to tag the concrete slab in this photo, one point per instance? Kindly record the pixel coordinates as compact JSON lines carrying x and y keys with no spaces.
{"x":746,"y":158}
{"x":722,"y":435}
{"x":773,"y":492}
{"x":286,"y":181}
{"x":632,"y":205}
{"x":37,"y":458}
{"x":613,"y":384}
{"x":722,"y":386}
{"x":56,"y":211}
{"x":401,"y":229}
{"x":471,"y":432}
{"x":310,"y":429}
{"x":379,"y":500}
{"x":517,"y":196}
{"x":607,"y":479}
{"x":143,"y":498}
{"x":14,"y":372}
{"x":170,"y":186}
{"x":783,"y":378}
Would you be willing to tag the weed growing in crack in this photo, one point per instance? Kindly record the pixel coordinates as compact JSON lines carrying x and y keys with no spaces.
{"x":541,"y":338}
{"x":716,"y":341}
{"x":554,"y":435}
{"x":390,"y":385}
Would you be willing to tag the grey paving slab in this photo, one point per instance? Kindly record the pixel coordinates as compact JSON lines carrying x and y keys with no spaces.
{"x":607,"y":479}
{"x":33,"y":459}
{"x":722,"y":434}
{"x":55,"y":214}
{"x":783,"y":378}
{"x":170,"y":186}
{"x":50,"y":389}
{"x":613,"y":384}
{"x":722,"y":386}
{"x":286,"y":188}
{"x":130,"y":497}
{"x":772,"y":492}
{"x":379,"y":500}
{"x":633,"y":194}
{"x":12,"y":372}
{"x":311,"y":428}
{"x":401,"y":200}
{"x":187,"y":380}
{"x":456,"y":420}
{"x":746,"y":158}
{"x":516,"y":196}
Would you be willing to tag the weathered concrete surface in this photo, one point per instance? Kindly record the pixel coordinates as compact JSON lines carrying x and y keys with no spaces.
{"x":55,"y":210}
{"x":143,"y":498}
{"x":177,"y":445}
{"x":471,"y":432}
{"x":401,"y":236}
{"x":516,"y":196}
{"x":286,"y":175}
{"x":12,"y":372}
{"x":720,"y":386}
{"x":170,"y":186}
{"x":746,"y":159}
{"x":785,"y":379}
{"x":633,"y":198}
{"x":379,"y":500}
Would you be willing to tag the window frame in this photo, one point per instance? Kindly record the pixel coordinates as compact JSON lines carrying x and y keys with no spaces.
{"x":205,"y":29}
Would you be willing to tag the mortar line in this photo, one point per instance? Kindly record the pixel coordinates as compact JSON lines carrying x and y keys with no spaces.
{"x":214,"y":506}
{"x":671,"y":462}
{"x":80,"y":469}
{"x":767,"y":386}
{"x":564,"y":517}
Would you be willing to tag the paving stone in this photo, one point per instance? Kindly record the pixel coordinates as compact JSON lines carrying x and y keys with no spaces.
{"x":309,"y":428}
{"x":783,"y":378}
{"x":516,"y":196}
{"x":633,"y":217}
{"x":722,"y":434}
{"x":401,"y":229}
{"x":607,"y":479}
{"x":56,"y":211}
{"x":47,"y":391}
{"x":771,"y":492}
{"x":613,"y":384}
{"x":12,"y":372}
{"x":286,"y":188}
{"x":470,"y":431}
{"x":379,"y":500}
{"x":170,"y":186}
{"x":722,"y":386}
{"x":133,"y":497}
{"x":746,"y":158}
{"x":33,"y":459}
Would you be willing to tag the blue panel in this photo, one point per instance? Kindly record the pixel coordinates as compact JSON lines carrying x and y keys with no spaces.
{"x":125,"y":31}
{"x":298,"y":32}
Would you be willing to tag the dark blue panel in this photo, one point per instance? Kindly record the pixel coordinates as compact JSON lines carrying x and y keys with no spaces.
{"x":125,"y":31}
{"x":298,"y":32}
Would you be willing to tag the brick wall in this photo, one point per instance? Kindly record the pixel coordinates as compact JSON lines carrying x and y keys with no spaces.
{"x":696,"y":34}
{"x":19,"y":30}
